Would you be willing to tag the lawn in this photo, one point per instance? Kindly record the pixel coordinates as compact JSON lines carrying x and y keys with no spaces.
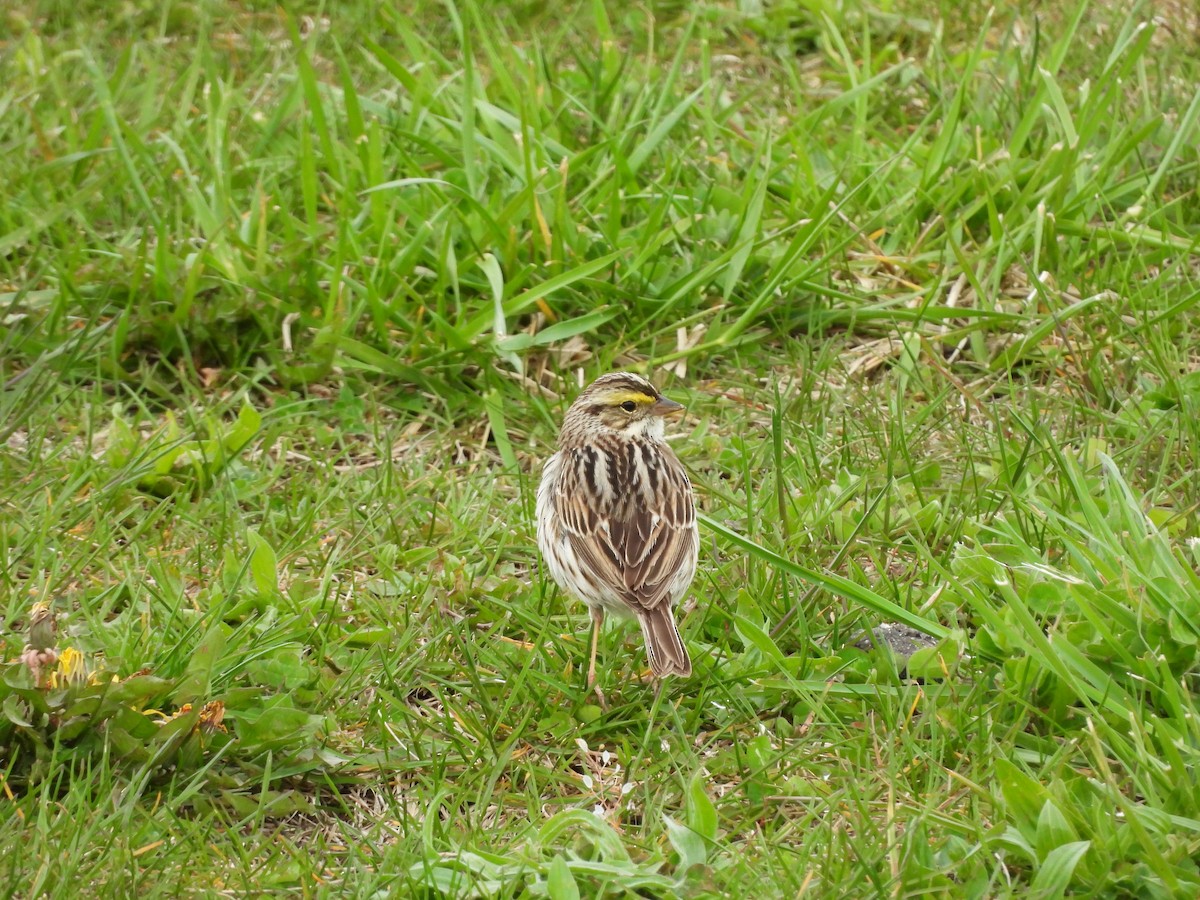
{"x":293,"y":299}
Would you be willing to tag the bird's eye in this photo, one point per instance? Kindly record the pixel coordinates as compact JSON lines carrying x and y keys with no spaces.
{"x":629,"y":406}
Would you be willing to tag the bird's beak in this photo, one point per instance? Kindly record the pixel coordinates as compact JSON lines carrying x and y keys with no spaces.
{"x":666,"y":408}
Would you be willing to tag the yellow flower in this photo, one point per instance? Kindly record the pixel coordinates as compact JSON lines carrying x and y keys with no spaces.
{"x":71,"y":669}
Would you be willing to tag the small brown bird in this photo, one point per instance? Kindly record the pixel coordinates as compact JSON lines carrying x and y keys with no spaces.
{"x":616,"y":518}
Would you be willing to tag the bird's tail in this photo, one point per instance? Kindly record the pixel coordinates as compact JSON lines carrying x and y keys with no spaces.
{"x":665,"y":648}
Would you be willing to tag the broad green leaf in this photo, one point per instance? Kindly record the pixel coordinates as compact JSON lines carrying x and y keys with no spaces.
{"x":491,"y":269}
{"x":514,"y":343}
{"x":171,"y":736}
{"x":688,"y":844}
{"x":701,"y":814}
{"x":16,"y":711}
{"x":275,"y":727}
{"x":568,"y":328}
{"x":560,"y":883}
{"x":588,"y":825}
{"x":283,"y":669}
{"x":264,"y":566}
{"x":247,"y":424}
{"x":1055,"y":873}
{"x":1023,"y":797}
{"x":516,"y":305}
{"x":1053,"y":829}
{"x":934,"y":662}
{"x":754,"y":636}
{"x":196,"y":684}
{"x":494,"y":404}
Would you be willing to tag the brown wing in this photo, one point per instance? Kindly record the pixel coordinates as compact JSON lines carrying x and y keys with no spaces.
{"x":636,"y":538}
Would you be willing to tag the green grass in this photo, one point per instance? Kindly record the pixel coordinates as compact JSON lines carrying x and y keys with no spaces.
{"x":290,"y":306}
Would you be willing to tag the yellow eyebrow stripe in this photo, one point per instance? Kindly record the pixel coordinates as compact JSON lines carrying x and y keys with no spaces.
{"x":616,"y":397}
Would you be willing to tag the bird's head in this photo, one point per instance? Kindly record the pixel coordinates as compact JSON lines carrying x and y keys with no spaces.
{"x":621,"y":403}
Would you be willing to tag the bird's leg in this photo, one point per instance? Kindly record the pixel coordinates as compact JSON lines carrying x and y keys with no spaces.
{"x":597,"y":621}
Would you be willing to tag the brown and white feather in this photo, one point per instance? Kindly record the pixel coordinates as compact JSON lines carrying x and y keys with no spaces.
{"x":617,"y":519}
